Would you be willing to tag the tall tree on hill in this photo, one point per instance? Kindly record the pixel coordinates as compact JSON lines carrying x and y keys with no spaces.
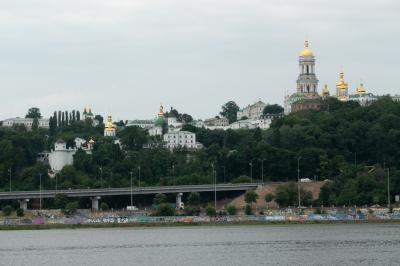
{"x":73,"y":116}
{"x":59,"y":119}
{"x":78,"y":116}
{"x":62,"y":119}
{"x":55,"y":118}
{"x":229,"y":111}
{"x":33,"y":112}
{"x":66,"y":118}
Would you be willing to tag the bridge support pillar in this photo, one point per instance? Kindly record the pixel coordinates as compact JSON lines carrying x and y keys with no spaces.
{"x":23,"y":204}
{"x":95,"y":203}
{"x":179,"y":200}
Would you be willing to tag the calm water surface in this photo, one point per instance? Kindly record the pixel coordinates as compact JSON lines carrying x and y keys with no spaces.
{"x":368,"y":244}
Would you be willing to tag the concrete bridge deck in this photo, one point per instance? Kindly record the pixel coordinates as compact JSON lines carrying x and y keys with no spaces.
{"x":125,"y":191}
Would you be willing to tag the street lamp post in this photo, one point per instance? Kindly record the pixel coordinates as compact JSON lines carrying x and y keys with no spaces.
{"x":223,"y":167}
{"x":9,"y":173}
{"x":101,"y":177}
{"x":214,"y":175}
{"x":251,"y":170}
{"x":298,"y":179}
{"x":262,"y":170}
{"x":388,"y":188}
{"x":131,"y":189}
{"x":139,"y":174}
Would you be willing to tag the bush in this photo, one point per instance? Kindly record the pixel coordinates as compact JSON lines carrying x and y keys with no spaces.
{"x":193,"y":199}
{"x":192,"y":210}
{"x":160,"y":199}
{"x":104,"y":206}
{"x":241,"y":179}
{"x":60,"y":201}
{"x":210,"y":210}
{"x":231,"y":210}
{"x":71,"y":208}
{"x":20,"y":212}
{"x":7,"y":210}
{"x":250,"y":197}
{"x":269,"y":197}
{"x":165,"y":210}
{"x":248,"y":210}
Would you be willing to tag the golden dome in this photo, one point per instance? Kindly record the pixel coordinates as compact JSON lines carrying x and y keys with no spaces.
{"x":109,"y":124}
{"x":360,"y":89}
{"x":342,"y":84}
{"x":306,"y":51}
{"x":91,"y":141}
{"x":161,"y":113}
{"x":325,"y":91}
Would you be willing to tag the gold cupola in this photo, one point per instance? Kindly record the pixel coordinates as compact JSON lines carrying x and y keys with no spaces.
{"x":306,"y":50}
{"x":325,"y":91}
{"x":342,"y":89}
{"x":360,"y":89}
{"x":342,"y":84}
{"x":109,"y":125}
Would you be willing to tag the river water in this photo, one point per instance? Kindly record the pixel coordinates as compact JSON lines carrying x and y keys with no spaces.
{"x":361,"y":244}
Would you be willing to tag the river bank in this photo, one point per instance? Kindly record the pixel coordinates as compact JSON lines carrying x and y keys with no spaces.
{"x":183,"y":224}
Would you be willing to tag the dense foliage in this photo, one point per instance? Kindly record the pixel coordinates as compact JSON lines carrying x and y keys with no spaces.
{"x":345,"y":143}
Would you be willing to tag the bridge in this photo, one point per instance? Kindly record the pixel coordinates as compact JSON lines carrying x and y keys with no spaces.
{"x":96,"y":194}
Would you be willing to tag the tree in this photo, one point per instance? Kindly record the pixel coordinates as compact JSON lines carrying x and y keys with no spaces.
{"x":193,"y":199}
{"x":268,"y":198}
{"x":78,"y":116}
{"x":231,"y":210}
{"x":248,"y":210}
{"x":20,"y":212}
{"x":160,"y":199}
{"x":104,"y":206}
{"x":250,"y":197}
{"x":273,"y":109}
{"x":60,"y":201}
{"x":241,"y":179}
{"x":7,"y":210}
{"x":133,"y":138}
{"x":71,"y":208}
{"x":35,"y":124}
{"x":33,"y":112}
{"x":165,"y":210}
{"x":229,"y":111}
{"x":210,"y":210}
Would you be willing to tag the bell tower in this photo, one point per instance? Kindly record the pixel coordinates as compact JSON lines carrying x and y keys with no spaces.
{"x":307,"y":82}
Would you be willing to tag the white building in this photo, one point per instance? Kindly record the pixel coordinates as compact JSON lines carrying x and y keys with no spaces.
{"x":27,"y":122}
{"x":262,"y":123}
{"x":62,"y":156}
{"x":181,"y":139}
{"x":254,"y":111}
{"x":142,"y":123}
{"x":216,"y":123}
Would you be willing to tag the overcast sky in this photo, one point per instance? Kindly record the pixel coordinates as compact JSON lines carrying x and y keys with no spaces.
{"x":125,"y":57}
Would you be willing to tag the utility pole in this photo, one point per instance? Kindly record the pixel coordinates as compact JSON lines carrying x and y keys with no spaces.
{"x":215,"y":190}
{"x":224,"y":173}
{"x":40,"y":191}
{"x":298,"y":179}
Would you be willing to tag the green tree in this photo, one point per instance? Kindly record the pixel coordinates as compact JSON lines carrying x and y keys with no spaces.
{"x":268,"y":198}
{"x":248,"y":210}
{"x":250,"y":197}
{"x":7,"y":210}
{"x":273,"y":109}
{"x":229,"y":111}
{"x":20,"y":212}
{"x":193,"y":199}
{"x":60,"y":201}
{"x":165,"y":210}
{"x":33,"y":112}
{"x":232,"y":210}
{"x":71,"y":208}
{"x":104,"y":206}
{"x":210,"y":210}
{"x":160,"y":199}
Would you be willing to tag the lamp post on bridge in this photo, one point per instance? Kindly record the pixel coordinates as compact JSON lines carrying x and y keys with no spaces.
{"x":251,"y":170}
{"x":9,"y":173}
{"x":262,"y":170}
{"x":298,"y":179}
{"x":139,"y":174}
